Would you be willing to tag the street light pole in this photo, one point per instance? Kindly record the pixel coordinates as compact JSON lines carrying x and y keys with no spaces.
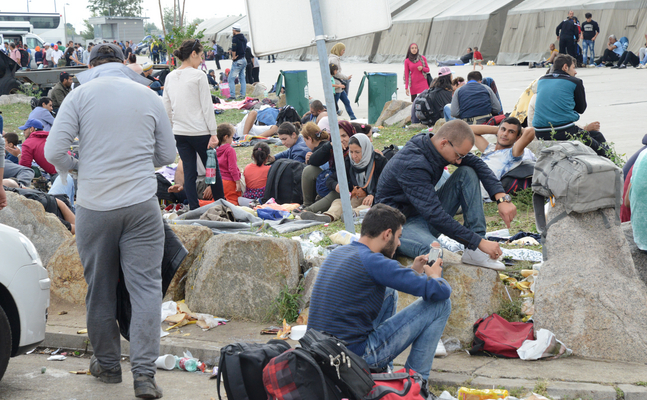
{"x":65,"y":21}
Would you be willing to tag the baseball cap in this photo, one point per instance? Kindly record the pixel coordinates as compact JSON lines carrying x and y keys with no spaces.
{"x":32,"y":123}
{"x":227,"y":70}
{"x":63,"y":76}
{"x":442,"y":71}
{"x":116,"y":51}
{"x":236,"y":27}
{"x":147,"y":66}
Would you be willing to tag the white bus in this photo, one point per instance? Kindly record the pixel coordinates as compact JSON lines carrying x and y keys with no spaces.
{"x":48,"y":26}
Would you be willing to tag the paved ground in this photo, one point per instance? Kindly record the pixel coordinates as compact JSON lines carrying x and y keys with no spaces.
{"x":565,"y":378}
{"x":616,"y":98}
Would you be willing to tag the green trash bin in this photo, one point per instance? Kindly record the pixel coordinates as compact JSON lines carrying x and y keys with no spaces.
{"x":296,"y":89}
{"x":382,"y":87}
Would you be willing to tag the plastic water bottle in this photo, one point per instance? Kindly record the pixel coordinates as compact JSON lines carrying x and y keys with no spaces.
{"x":188,"y":364}
{"x":394,"y":96}
{"x":211,"y":167}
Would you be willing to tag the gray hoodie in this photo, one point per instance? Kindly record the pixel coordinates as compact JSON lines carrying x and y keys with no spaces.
{"x":123,"y":131}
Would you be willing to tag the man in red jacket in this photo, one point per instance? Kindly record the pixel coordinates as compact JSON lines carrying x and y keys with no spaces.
{"x":34,"y":145}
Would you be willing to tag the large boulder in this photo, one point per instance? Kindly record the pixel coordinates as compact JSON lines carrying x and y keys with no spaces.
{"x":241,"y":276}
{"x":44,"y":229}
{"x":14,"y":99}
{"x":390,"y":109}
{"x":639,"y":256}
{"x":66,"y":271}
{"x":194,"y":239}
{"x":402,"y":117}
{"x":308,"y":286}
{"x":258,"y":91}
{"x":476,"y":292}
{"x":588,"y":292}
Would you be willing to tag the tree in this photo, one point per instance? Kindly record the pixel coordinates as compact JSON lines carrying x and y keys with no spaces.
{"x":169,"y":18}
{"x":197,"y":21}
{"x":88,"y":33}
{"x":119,"y":8}
{"x":150,"y":27}
{"x":69,"y":29}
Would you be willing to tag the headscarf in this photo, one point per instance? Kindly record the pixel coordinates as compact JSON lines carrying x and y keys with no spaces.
{"x":337,"y":49}
{"x":414,"y":58}
{"x":324,"y":124}
{"x":362,"y":169}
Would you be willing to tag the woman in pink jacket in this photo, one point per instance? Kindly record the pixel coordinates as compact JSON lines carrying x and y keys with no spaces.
{"x":415,"y":70}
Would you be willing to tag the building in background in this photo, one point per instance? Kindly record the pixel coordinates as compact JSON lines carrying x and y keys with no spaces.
{"x":118,"y":28}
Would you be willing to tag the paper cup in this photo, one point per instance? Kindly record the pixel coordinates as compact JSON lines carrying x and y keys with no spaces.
{"x":298,"y":331}
{"x":167,"y":362}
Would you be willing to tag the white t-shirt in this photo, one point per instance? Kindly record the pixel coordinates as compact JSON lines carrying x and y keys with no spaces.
{"x":502,"y":161}
{"x":48,"y":54}
{"x":56,"y":55}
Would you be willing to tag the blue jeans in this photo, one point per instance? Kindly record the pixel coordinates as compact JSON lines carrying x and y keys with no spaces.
{"x":344,"y":99}
{"x":461,"y":189}
{"x":588,"y":49}
{"x":238,"y":71}
{"x":59,"y":188}
{"x":419,"y":325}
{"x":447,"y":113}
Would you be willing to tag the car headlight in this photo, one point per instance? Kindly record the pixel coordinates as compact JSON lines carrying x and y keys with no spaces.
{"x":31,"y":249}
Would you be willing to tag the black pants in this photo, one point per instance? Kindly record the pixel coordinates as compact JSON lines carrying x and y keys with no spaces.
{"x":628,"y":57}
{"x":188,"y":146}
{"x":217,"y":59}
{"x":567,"y":46}
{"x":255,"y":73}
{"x":249,"y":77}
{"x":272,"y":57}
{"x":593,"y":139}
{"x":608,"y":56}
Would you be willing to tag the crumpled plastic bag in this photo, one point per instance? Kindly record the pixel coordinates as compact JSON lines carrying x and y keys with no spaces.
{"x":546,"y":345}
{"x":344,"y":237}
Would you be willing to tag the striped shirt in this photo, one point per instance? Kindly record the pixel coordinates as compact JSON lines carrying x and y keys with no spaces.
{"x":349,"y":292}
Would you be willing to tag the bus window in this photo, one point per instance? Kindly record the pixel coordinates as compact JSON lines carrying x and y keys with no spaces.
{"x":33,"y":42}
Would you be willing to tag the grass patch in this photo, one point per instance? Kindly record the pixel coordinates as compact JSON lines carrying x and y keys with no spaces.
{"x":518,"y":392}
{"x":438,"y":389}
{"x":620,"y":395}
{"x":541,"y":387}
{"x":14,"y":116}
{"x":641,"y":383}
{"x":285,"y":306}
{"x":511,"y":310}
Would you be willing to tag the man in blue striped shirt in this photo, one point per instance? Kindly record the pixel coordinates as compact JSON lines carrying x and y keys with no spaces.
{"x":355,"y":296}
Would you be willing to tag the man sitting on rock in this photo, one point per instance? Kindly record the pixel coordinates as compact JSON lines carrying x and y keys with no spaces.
{"x":475,"y":102}
{"x":509,"y":150}
{"x":355,"y":297}
{"x":407,"y":183}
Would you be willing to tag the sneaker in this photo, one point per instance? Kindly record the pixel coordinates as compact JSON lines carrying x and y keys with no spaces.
{"x":231,"y":98}
{"x":146,"y":388}
{"x":615,"y":67}
{"x":105,"y":375}
{"x":310,"y":216}
{"x":440,"y":349}
{"x":240,"y":98}
{"x":590,"y":66}
{"x":481,"y":259}
{"x":623,"y":66}
{"x":339,"y":112}
{"x":298,"y":210}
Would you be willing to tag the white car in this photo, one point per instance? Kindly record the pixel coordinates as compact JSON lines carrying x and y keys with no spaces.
{"x":24,"y":296}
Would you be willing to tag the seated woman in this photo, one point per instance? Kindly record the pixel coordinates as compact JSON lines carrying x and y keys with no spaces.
{"x":256,"y":173}
{"x":289,"y":136}
{"x":322,"y":152}
{"x":363,"y":169}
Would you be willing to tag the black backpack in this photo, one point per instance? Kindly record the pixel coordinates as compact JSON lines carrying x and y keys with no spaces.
{"x":287,"y":114}
{"x":241,"y":368}
{"x":390,"y":151}
{"x":284,"y":182}
{"x":429,"y":105}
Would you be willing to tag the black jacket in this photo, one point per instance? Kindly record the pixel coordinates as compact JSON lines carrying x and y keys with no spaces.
{"x":379,"y":161}
{"x":321,"y":154}
{"x":407,"y":183}
{"x":238,"y":45}
{"x":567,"y":29}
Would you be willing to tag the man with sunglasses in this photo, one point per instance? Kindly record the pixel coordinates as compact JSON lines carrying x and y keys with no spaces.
{"x":408,"y":184}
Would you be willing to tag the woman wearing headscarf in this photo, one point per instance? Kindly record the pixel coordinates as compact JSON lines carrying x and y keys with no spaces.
{"x":415,"y":72}
{"x":363,"y":169}
{"x":336,"y":52}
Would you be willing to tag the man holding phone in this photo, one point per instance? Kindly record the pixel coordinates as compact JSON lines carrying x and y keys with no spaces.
{"x":356,"y":295}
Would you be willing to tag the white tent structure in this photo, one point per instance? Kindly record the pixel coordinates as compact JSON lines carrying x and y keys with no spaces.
{"x":530,"y":26}
{"x":223,"y":37}
{"x":214,"y":26}
{"x":468,"y":23}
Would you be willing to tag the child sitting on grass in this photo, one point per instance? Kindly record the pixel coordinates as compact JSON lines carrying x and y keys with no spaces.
{"x":228,"y":163}
{"x":256,"y":173}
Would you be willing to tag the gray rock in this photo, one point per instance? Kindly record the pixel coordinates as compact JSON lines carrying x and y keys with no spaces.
{"x":42,"y":228}
{"x":14,"y":99}
{"x":400,"y":118}
{"x":308,"y":285}
{"x":239,"y":276}
{"x":639,"y":257}
{"x":476,"y":292}
{"x":588,"y":292}
{"x":390,"y":109}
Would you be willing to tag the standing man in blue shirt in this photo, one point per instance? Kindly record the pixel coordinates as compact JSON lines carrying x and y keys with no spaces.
{"x":355,"y":296}
{"x":238,"y":64}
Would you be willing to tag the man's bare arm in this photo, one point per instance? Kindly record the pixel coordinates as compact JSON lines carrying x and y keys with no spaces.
{"x":480,"y":130}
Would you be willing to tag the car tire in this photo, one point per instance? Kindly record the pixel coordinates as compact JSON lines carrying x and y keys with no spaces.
{"x":5,"y":342}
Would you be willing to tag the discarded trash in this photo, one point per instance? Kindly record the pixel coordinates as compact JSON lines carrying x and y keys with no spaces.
{"x":314,"y":237}
{"x":452,"y":344}
{"x":272,"y":330}
{"x":56,"y":358}
{"x":302,"y":319}
{"x":446,"y":396}
{"x":55,"y":351}
{"x":440,"y":350}
{"x":284,"y":333}
{"x":546,"y":345}
{"x":343,"y":237}
{"x":297,"y":331}
{"x":82,"y":372}
{"x":42,"y":370}
{"x":82,"y":332}
{"x":62,"y":313}
{"x":167,"y":362}
{"x":30,"y":351}
{"x":481,"y":394}
{"x":214,"y":373}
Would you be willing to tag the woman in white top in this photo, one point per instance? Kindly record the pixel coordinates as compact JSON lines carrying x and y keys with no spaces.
{"x":187,"y":99}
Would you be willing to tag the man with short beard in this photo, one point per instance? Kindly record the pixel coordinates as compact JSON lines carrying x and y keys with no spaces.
{"x":356,"y":295}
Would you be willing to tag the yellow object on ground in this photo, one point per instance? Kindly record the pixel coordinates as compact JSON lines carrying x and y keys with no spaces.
{"x":481,"y":394}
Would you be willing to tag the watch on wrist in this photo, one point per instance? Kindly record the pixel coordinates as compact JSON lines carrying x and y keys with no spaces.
{"x":507,"y":199}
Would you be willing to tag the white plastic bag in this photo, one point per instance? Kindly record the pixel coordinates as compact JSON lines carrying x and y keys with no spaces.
{"x":546,"y":345}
